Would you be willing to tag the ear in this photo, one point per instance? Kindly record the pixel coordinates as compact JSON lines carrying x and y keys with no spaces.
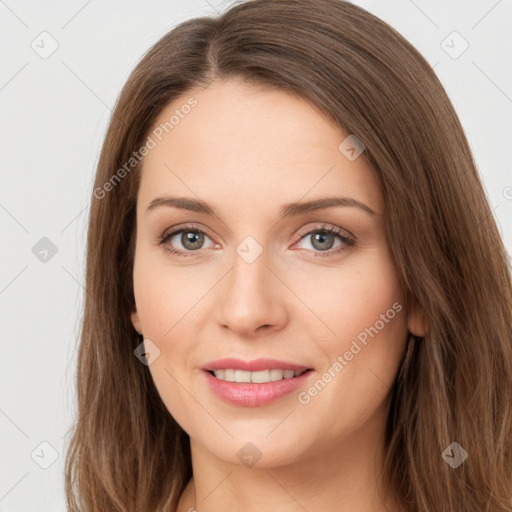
{"x":136,"y":321}
{"x":417,"y":321}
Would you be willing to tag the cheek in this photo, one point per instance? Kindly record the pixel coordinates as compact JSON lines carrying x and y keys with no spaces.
{"x":175,"y":392}
{"x":163,"y":295}
{"x":366,"y":311}
{"x":348,"y":300}
{"x":363,"y":322}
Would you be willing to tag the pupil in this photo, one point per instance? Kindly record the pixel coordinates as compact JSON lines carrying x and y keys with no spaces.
{"x":191,"y":237}
{"x":320,"y":237}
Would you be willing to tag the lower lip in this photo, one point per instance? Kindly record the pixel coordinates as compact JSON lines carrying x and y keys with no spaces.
{"x":254,"y":395}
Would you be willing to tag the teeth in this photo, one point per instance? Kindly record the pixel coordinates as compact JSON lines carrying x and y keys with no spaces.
{"x":241,"y":376}
{"x":256,"y":377}
{"x":276,"y":375}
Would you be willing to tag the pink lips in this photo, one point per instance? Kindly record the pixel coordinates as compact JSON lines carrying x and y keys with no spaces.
{"x":251,"y":366}
{"x":249,"y":394}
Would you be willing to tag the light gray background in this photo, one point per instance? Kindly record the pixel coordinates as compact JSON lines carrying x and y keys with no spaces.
{"x":54,"y":116}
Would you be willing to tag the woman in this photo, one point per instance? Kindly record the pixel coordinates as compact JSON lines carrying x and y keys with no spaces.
{"x":296,"y":294}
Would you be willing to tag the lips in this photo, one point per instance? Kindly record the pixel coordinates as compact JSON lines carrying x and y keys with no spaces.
{"x":254,"y":365}
{"x":253,"y":394}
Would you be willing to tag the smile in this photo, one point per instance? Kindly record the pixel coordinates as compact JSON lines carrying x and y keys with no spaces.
{"x":245,"y":391}
{"x":259,"y":377}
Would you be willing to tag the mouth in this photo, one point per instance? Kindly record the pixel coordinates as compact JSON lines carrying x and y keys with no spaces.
{"x":255,"y":383}
{"x":256,"y":377}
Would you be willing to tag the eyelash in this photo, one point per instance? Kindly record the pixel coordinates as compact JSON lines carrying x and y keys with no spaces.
{"x":325,"y":229}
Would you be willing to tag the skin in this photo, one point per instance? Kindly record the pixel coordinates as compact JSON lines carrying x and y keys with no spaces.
{"x":247,"y":150}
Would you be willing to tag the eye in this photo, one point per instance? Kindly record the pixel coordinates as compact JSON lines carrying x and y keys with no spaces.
{"x":190,"y":237}
{"x":323,"y":239}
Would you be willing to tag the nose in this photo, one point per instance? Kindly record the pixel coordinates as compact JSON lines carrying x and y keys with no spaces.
{"x":252,"y":299}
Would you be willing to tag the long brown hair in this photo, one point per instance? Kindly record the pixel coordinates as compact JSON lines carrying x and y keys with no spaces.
{"x":126,"y":452}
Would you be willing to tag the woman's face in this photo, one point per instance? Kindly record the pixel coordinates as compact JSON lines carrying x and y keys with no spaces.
{"x":262,"y":280}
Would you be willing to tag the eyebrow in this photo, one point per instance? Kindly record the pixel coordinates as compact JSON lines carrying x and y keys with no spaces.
{"x":286,"y":210}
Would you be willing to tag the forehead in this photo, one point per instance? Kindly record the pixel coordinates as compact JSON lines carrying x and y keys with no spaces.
{"x":249,"y":144}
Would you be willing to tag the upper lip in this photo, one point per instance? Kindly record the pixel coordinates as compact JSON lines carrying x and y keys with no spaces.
{"x":252,"y":366}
